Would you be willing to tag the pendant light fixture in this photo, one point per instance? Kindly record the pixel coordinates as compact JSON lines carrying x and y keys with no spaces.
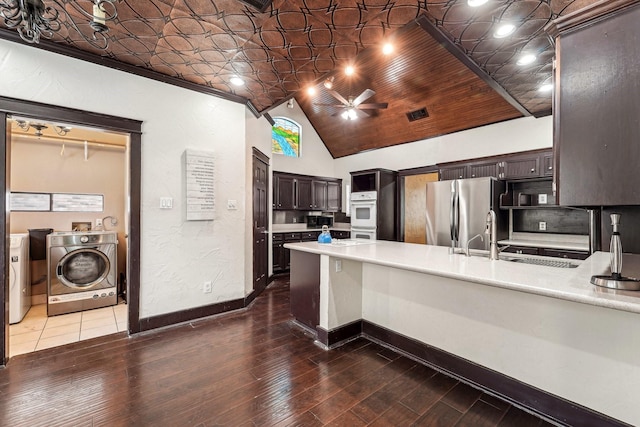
{"x":36,"y":18}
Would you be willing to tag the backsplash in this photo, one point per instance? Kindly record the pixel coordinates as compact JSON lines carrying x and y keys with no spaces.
{"x":557,"y":221}
{"x":299,"y":217}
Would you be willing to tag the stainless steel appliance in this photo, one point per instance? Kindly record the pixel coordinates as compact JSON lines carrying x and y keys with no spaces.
{"x":317,"y":221}
{"x":457,"y":211}
{"x":82,"y":271}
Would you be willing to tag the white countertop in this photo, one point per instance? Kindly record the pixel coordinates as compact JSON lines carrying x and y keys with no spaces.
{"x":565,"y":283}
{"x":301,"y":227}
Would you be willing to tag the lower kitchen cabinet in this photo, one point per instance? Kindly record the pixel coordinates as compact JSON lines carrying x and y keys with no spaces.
{"x":305,"y":289}
{"x":557,"y":253}
{"x":340,"y":234}
{"x":282,"y":256}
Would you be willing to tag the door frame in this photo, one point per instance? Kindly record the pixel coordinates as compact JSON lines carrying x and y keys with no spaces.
{"x":47,"y":112}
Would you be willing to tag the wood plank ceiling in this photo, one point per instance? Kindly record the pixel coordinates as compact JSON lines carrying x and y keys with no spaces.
{"x":297,"y":43}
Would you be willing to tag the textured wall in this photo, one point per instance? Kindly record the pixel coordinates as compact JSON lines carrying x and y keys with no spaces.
{"x":177,"y":256}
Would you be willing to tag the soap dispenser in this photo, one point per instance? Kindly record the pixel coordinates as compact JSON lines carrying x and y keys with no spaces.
{"x":325,"y":236}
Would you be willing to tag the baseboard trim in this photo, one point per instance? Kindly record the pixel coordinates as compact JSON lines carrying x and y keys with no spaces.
{"x":336,"y":337}
{"x":542,"y":403}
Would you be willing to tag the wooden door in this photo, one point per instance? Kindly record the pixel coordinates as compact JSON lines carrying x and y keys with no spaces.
{"x":415,"y":206}
{"x":260,"y":220}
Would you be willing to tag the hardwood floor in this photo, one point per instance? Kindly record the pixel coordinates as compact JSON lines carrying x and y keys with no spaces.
{"x":247,"y":368}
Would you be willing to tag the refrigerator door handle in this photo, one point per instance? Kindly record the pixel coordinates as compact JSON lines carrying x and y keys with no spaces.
{"x":454,"y":217}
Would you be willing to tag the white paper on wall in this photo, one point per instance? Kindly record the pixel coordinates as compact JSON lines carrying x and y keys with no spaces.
{"x":199,"y":168}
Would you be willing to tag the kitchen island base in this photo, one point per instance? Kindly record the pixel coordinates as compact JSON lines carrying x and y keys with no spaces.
{"x":532,"y":350}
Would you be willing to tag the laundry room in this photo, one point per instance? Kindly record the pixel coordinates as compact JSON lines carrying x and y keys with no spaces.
{"x":68,"y":225}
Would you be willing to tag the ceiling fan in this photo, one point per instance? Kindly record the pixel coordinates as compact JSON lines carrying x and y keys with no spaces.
{"x":354,"y":107}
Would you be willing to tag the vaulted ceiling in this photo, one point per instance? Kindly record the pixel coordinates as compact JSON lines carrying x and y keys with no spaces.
{"x":446,"y":59}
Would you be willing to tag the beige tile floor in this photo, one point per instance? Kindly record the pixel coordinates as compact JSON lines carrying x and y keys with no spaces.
{"x":37,"y":331}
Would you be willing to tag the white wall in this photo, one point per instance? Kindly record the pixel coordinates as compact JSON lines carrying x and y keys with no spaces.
{"x":176,"y":256}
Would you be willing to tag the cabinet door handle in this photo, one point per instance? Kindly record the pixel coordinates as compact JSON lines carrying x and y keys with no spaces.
{"x":550,"y":167}
{"x":533,"y":170}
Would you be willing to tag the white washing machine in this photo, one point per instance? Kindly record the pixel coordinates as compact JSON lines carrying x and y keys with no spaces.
{"x":19,"y":280}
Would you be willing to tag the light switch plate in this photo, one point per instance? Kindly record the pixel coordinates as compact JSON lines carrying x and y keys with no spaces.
{"x":166,"y":202}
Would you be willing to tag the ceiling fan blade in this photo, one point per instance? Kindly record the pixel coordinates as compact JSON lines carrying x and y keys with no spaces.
{"x":368,"y":93}
{"x":361,"y":113}
{"x":330,"y":105}
{"x":337,"y":96}
{"x":378,"y":106}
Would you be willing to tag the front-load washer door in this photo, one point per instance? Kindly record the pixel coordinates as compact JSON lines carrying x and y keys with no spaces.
{"x":83,"y":269}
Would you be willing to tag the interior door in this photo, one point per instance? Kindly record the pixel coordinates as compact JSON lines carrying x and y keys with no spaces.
{"x":260,"y":220}
{"x":415,"y":206}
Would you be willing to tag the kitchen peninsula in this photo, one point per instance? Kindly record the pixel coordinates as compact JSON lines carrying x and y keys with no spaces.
{"x":542,"y":337}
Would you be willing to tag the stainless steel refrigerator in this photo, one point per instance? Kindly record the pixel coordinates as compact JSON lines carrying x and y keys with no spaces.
{"x":457,"y":211}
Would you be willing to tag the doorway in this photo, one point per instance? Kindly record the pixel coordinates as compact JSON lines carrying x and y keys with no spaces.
{"x":260,"y":185}
{"x":9,"y":108}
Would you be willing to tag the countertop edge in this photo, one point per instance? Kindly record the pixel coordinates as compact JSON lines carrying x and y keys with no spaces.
{"x":605,"y":302}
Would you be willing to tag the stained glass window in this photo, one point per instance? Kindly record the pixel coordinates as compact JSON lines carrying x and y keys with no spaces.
{"x":285,"y":137}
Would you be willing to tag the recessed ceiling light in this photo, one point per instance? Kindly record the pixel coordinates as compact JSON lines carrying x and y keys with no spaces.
{"x":547,"y":87}
{"x":349,"y":70}
{"x":235,"y":80}
{"x":311,"y":90}
{"x":504,"y":30}
{"x":387,"y":48}
{"x":476,"y":3}
{"x":526,"y":59}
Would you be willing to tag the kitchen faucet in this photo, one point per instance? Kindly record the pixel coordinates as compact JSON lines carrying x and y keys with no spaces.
{"x":492,"y":231}
{"x":466,"y":252}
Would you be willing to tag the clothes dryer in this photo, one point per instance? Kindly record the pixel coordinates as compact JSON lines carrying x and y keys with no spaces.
{"x":82,"y":271}
{"x":19,"y":278}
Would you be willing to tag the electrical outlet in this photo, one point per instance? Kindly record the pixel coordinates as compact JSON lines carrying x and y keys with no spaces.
{"x":207,"y":287}
{"x":232,"y":204}
{"x":98,"y":222}
{"x":338,"y":265}
{"x":542,"y":226}
{"x":542,"y":199}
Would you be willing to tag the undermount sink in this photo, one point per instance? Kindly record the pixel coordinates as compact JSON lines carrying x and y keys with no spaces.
{"x":350,"y":242}
{"x":544,"y":261}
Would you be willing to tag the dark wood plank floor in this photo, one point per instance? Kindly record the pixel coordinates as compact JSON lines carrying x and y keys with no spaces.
{"x":248,"y":368}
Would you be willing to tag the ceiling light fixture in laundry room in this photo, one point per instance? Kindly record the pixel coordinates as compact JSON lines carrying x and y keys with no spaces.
{"x":35,"y":18}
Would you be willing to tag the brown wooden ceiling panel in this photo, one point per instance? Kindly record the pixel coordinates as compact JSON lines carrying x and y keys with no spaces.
{"x":297,"y":42}
{"x":424,"y":75}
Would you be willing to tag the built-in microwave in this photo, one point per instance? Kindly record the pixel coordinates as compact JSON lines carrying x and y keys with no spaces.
{"x":317,"y":221}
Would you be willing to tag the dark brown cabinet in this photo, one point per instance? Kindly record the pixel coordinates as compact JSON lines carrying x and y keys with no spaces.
{"x":281,"y":255}
{"x":520,"y":167}
{"x":517,"y":166}
{"x":284,"y":190}
{"x":306,"y":193}
{"x":319,"y":195}
{"x":334,"y":196}
{"x":480,"y":170}
{"x":596,"y":108}
{"x":340,"y":234}
{"x":454,"y":172}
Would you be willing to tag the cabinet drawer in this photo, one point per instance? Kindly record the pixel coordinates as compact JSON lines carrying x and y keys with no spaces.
{"x":278,"y":237}
{"x":525,"y":250}
{"x":292,"y":237}
{"x":559,"y":253}
{"x":309,"y":236}
{"x":340,"y":234}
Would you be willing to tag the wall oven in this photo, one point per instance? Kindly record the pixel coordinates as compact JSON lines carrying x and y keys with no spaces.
{"x":363,"y":233}
{"x":363,"y":210}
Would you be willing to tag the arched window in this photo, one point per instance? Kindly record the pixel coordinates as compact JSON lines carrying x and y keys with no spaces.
{"x":285,"y":137}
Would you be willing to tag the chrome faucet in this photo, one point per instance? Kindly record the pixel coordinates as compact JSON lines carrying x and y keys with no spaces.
{"x":466,"y":252}
{"x":492,"y":231}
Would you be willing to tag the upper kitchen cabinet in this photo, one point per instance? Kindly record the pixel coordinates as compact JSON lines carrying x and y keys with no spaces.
{"x":306,"y":193}
{"x":596,"y":105}
{"x":520,"y":167}
{"x":284,"y":192}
